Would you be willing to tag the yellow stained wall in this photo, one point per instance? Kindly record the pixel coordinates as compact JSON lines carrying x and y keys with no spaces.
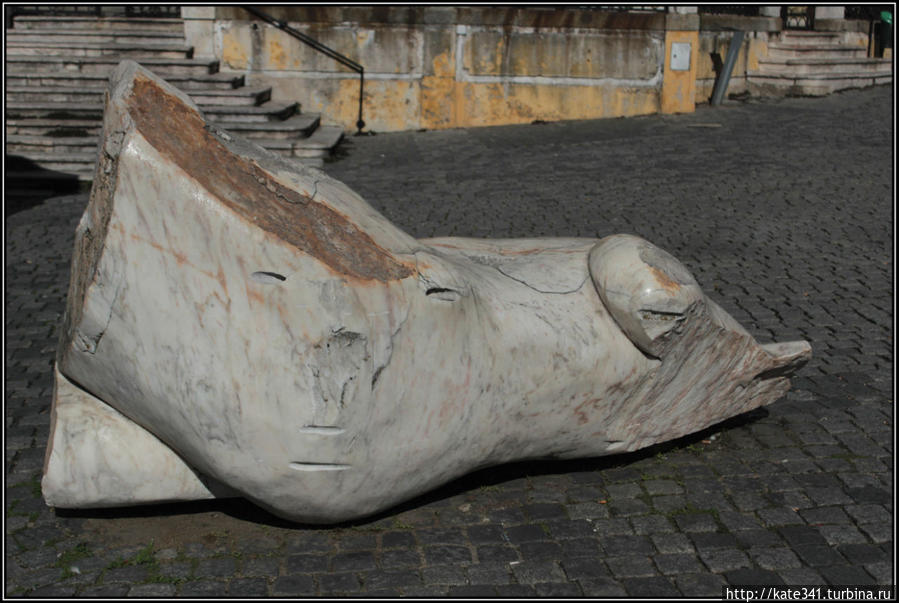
{"x":413,"y":79}
{"x":679,"y":87}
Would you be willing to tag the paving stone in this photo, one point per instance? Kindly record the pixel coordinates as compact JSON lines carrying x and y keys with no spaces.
{"x":696,"y":522}
{"x":152,"y":590}
{"x":569,"y":528}
{"x":445,"y":574}
{"x":52,"y":591}
{"x":440,"y":536}
{"x":802,"y":575}
{"x":426,"y":592}
{"x":801,"y":535}
{"x":399,"y":558}
{"x":515,"y":590}
{"x":817,"y":556}
{"x":247,"y":587}
{"x":532,"y":572}
{"x":845,"y":575}
{"x":842,"y":534}
{"x":602,"y":587}
{"x":105,"y":590}
{"x":869,"y":513}
{"x":678,"y":563}
{"x":712,"y":540}
{"x":655,"y":586}
{"x":580,"y":547}
{"x":443,"y":554}
{"x":338,"y":582}
{"x":203,"y":588}
{"x":220,"y":567}
{"x":651,"y":524}
{"x":262,"y":566}
{"x":673,"y":543}
{"x":581,"y":568}
{"x":488,"y":533}
{"x":557,"y":589}
{"x":540,"y":550}
{"x":489,"y":573}
{"x":293,"y":586}
{"x":774,"y":558}
{"x":305,"y":564}
{"x":724,"y":560}
{"x":700,"y":585}
{"x":884,"y":572}
{"x":752,"y":577}
{"x":381,"y":579}
{"x":631,"y":566}
{"x":475,"y":591}
{"x":361,"y":560}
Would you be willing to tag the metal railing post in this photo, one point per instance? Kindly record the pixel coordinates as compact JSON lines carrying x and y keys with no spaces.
{"x":343,"y":60}
{"x":724,"y":77}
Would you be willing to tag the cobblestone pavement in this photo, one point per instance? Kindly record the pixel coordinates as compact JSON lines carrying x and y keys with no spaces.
{"x":783,"y":210}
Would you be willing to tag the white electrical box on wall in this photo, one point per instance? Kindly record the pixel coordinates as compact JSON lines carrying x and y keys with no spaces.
{"x":680,"y":56}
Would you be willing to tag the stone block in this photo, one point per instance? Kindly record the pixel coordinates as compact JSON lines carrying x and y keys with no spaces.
{"x":240,"y":325}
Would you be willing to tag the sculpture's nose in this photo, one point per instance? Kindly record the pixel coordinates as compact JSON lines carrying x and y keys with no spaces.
{"x":787,"y":357}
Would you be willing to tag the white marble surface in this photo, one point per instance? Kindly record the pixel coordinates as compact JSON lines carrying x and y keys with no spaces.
{"x":282,"y":338}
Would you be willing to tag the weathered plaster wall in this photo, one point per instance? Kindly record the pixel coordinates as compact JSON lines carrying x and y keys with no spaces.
{"x":441,"y":67}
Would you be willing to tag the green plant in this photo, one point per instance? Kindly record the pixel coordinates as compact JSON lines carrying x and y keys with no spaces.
{"x":68,"y":558}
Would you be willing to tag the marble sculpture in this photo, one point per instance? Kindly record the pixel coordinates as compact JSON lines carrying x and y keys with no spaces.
{"x":240,"y":325}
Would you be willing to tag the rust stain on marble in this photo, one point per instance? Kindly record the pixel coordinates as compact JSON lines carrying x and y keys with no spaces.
{"x":179,"y":132}
{"x":666,"y":282}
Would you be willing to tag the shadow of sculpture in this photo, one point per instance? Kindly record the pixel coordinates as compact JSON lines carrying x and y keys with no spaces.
{"x":28,"y":184}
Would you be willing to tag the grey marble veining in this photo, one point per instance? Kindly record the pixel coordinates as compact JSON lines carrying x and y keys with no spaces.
{"x":243,"y":326}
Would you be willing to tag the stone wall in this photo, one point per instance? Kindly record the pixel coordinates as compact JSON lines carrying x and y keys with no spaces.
{"x":444,"y":67}
{"x":441,"y":67}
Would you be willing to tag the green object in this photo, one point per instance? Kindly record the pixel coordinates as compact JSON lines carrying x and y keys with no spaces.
{"x":887,"y":17}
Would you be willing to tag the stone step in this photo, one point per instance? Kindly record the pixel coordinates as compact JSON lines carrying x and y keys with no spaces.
{"x":100,"y":36}
{"x":23,"y":176}
{"x":101,"y":23}
{"x":99,"y":49}
{"x":25,"y":145}
{"x":813,"y":38}
{"x":218,"y":81}
{"x":319,"y":144}
{"x":94,"y":110}
{"x":58,"y":111}
{"x":47,"y":94}
{"x":165,"y":68}
{"x":809,"y":51}
{"x":298,"y":126}
{"x":79,"y":164}
{"x":266,"y":113}
{"x":797,"y":67}
{"x":241,"y":97}
{"x":811,"y":85}
{"x":53,"y":127}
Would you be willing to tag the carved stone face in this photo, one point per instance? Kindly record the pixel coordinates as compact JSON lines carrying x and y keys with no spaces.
{"x":257,"y":329}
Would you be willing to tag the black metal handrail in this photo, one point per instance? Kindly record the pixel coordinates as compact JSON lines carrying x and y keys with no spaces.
{"x":346,"y":61}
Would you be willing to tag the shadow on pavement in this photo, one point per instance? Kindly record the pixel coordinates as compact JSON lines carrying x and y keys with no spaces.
{"x":27,"y":184}
{"x":245,"y":510}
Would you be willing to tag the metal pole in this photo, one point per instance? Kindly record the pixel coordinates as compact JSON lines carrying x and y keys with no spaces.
{"x":724,"y":77}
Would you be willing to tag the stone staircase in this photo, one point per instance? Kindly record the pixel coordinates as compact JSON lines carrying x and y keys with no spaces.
{"x":56,"y":74}
{"x":815,"y":63}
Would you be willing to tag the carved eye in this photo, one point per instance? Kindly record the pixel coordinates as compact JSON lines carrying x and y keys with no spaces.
{"x":443,"y":294}
{"x":268,"y":278}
